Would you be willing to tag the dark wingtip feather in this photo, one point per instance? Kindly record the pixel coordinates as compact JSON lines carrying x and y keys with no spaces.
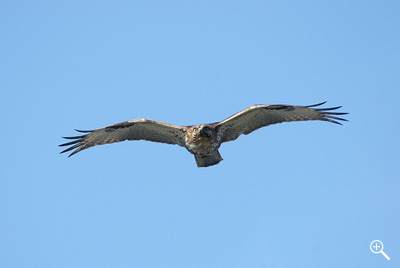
{"x":328,"y":109}
{"x":70,"y":143}
{"x":315,"y":105}
{"x":335,"y":113}
{"x":71,"y":148}
{"x":333,"y":121}
{"x":84,"y":131}
{"x":74,"y":137}
{"x":74,"y":152}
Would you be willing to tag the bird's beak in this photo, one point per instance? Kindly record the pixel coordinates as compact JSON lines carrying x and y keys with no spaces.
{"x":203,"y":133}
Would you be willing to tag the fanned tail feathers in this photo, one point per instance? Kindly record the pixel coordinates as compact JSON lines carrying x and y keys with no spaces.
{"x":208,"y":160}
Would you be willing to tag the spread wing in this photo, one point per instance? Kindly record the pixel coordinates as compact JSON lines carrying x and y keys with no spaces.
{"x":258,"y":116}
{"x":139,"y":129}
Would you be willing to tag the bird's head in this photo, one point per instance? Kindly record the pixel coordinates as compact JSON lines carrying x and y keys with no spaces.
{"x":205,"y":131}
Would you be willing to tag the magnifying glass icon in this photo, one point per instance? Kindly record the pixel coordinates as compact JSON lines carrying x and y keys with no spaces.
{"x":376,"y":247}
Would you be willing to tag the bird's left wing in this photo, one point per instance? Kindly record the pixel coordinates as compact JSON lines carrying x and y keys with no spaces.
{"x":139,"y":129}
{"x":258,"y":116}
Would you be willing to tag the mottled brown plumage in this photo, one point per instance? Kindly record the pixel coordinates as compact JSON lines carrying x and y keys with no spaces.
{"x":202,"y":140}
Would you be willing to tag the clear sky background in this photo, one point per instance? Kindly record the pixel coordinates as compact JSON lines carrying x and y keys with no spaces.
{"x":307,"y":194}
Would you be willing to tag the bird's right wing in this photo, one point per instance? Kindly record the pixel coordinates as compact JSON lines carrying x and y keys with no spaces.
{"x":138,"y":129}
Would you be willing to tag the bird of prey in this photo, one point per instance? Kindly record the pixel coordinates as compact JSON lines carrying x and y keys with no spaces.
{"x":202,"y":140}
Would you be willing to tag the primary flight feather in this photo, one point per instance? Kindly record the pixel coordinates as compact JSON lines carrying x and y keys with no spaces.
{"x":202,"y":140}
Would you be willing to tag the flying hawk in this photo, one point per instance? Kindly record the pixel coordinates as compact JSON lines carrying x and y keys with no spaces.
{"x":202,"y":140}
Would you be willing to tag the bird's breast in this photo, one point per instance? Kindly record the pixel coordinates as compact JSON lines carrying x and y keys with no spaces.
{"x":202,"y":146}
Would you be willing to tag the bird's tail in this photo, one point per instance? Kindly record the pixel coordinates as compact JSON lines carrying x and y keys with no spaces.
{"x":208,"y":160}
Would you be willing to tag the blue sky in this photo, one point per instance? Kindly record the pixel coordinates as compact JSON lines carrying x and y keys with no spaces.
{"x":307,"y":194}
